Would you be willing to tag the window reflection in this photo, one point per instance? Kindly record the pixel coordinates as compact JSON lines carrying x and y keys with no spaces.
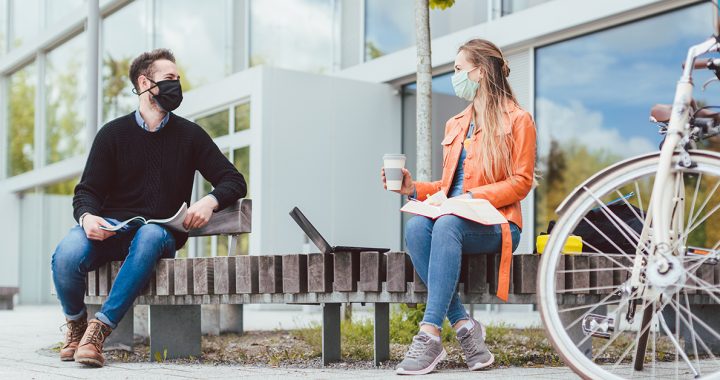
{"x":591,"y":116}
{"x":124,"y":38}
{"x":241,"y":160}
{"x":293,"y":34}
{"x":21,"y":120}
{"x":58,"y":10}
{"x":512,"y":6}
{"x":65,"y":100}
{"x":3,"y":26}
{"x":27,"y":11}
{"x":216,"y":124}
{"x":390,"y":25}
{"x":197,"y":33}
{"x":242,"y":117}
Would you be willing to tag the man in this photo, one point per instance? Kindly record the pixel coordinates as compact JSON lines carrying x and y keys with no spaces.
{"x":139,"y":164}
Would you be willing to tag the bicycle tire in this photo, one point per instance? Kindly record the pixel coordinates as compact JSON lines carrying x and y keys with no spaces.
{"x":571,"y":211}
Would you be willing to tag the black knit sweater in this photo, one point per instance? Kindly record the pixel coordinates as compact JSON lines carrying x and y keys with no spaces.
{"x":132,"y":172}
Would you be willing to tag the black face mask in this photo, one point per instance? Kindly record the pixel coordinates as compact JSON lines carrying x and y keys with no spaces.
{"x":169,"y":95}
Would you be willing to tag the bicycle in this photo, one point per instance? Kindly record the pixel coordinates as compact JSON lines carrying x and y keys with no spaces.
{"x":633,"y":327}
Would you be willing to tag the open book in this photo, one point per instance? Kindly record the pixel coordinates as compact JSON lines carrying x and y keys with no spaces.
{"x":175,"y":222}
{"x":476,"y":210}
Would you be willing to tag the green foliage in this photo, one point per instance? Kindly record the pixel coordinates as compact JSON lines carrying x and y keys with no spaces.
{"x":161,"y":357}
{"x":441,"y":4}
{"x":372,"y":51}
{"x":21,"y":125}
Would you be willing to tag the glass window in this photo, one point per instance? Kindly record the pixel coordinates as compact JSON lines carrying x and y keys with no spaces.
{"x":62,"y":188}
{"x":241,"y":160}
{"x":216,"y":124}
{"x":512,"y":6}
{"x":197,"y":33}
{"x":3,"y":26}
{"x":594,"y":94}
{"x":26,"y":23}
{"x":242,"y":117}
{"x":57,"y":10}
{"x":65,"y":100}
{"x":124,"y":38}
{"x":21,"y":120}
{"x":390,"y":25}
{"x":295,"y":34}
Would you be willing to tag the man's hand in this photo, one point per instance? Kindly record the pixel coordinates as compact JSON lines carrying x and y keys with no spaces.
{"x":200,"y":212}
{"x":91,"y":224}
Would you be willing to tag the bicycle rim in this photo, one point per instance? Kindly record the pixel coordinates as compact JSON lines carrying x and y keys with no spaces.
{"x":593,"y":281}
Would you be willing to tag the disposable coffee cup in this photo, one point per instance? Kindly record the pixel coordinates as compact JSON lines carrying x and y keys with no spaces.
{"x":394,"y":163}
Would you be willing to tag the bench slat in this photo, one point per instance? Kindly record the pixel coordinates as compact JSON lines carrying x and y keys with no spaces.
{"x":224,"y":275}
{"x":114,"y":270}
{"x":347,"y":271}
{"x":104,"y":279}
{"x":577,"y":280}
{"x":601,"y":275}
{"x":372,"y":271}
{"x":395,"y":272}
{"x":164,"y":277}
{"x":270,"y":274}
{"x":246,"y":274}
{"x":203,"y":275}
{"x":476,"y":276}
{"x":525,"y":268}
{"x":320,"y":273}
{"x":92,"y":283}
{"x":234,"y":219}
{"x":183,"y":272}
{"x":294,"y":274}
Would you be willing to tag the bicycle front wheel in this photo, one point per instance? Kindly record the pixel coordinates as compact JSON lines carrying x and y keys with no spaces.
{"x":599,"y":320}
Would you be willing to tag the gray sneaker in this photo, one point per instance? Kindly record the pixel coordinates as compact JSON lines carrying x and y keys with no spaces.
{"x":477,"y":355}
{"x":423,"y":355}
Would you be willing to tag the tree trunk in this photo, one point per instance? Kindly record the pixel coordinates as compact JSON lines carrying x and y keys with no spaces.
{"x":424,"y":91}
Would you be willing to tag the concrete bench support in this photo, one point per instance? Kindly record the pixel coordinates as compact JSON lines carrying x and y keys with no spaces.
{"x":381,"y":333}
{"x":175,"y":329}
{"x":330,"y":333}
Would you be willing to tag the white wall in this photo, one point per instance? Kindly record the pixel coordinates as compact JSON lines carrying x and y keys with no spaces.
{"x":9,"y":239}
{"x":322,"y":144}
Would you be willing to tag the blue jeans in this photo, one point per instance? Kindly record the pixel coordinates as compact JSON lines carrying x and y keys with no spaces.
{"x":436,"y":249}
{"x":140,"y":245}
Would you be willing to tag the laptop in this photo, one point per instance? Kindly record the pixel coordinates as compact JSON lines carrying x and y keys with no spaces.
{"x":320,"y":241}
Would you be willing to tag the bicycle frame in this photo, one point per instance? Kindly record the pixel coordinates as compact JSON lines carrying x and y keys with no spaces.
{"x":660,"y":211}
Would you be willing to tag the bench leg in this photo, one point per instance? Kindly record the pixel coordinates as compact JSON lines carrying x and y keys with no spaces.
{"x":122,"y":336}
{"x":330,"y":333}
{"x":231,"y":319}
{"x":576,"y":333}
{"x":6,"y":302}
{"x":175,"y":329}
{"x":382,"y":333}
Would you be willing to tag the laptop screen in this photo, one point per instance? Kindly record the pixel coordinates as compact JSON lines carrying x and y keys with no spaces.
{"x":310,"y":231}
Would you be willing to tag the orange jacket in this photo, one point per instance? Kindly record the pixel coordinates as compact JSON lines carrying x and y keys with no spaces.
{"x":506,"y":193}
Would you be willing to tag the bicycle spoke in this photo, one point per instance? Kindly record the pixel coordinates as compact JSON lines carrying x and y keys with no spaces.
{"x":692,"y":331}
{"x":702,"y":342}
{"x":614,"y":219}
{"x":608,"y":255}
{"x":601,"y":303}
{"x":707,"y":199}
{"x":635,"y":341}
{"x":692,"y":205}
{"x":637,"y":191}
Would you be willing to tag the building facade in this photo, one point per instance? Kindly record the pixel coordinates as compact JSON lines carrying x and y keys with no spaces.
{"x":304,"y":97}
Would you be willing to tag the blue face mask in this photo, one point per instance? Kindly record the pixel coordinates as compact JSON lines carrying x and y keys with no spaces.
{"x":464,"y":87}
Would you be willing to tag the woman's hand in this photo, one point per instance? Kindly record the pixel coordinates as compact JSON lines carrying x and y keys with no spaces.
{"x":408,"y":188}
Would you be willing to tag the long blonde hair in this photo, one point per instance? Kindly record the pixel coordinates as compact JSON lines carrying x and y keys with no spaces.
{"x":494,"y":157}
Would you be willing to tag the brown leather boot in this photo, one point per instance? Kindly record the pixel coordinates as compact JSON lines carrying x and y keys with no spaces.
{"x":73,"y":335}
{"x":89,"y":351}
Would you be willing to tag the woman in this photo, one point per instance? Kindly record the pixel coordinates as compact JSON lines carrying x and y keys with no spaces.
{"x":488,"y":153}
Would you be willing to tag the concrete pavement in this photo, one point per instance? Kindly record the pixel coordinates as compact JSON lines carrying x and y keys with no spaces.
{"x":27,"y":332}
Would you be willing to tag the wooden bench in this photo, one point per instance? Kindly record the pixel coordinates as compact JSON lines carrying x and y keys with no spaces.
{"x":6,"y":297}
{"x":180,"y":286}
